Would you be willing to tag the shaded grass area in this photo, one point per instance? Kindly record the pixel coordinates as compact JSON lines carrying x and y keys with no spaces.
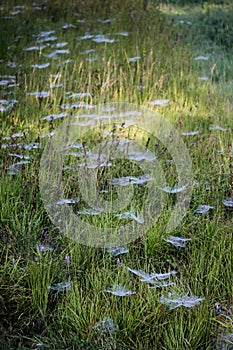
{"x":35,"y":316}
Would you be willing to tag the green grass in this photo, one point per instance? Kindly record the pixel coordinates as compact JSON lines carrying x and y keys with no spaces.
{"x":35,"y":316}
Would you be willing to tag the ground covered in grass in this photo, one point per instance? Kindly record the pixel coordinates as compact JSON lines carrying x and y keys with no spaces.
{"x":163,"y":290}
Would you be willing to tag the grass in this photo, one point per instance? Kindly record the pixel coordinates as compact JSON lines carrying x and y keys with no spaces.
{"x":34,"y":315}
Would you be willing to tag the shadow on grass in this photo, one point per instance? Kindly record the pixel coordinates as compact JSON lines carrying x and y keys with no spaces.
{"x":201,"y":21}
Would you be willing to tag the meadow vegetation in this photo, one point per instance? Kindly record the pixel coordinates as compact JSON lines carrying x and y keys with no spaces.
{"x":174,"y":57}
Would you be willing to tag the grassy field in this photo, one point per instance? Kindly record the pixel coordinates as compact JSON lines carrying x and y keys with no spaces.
{"x":175,"y":59}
